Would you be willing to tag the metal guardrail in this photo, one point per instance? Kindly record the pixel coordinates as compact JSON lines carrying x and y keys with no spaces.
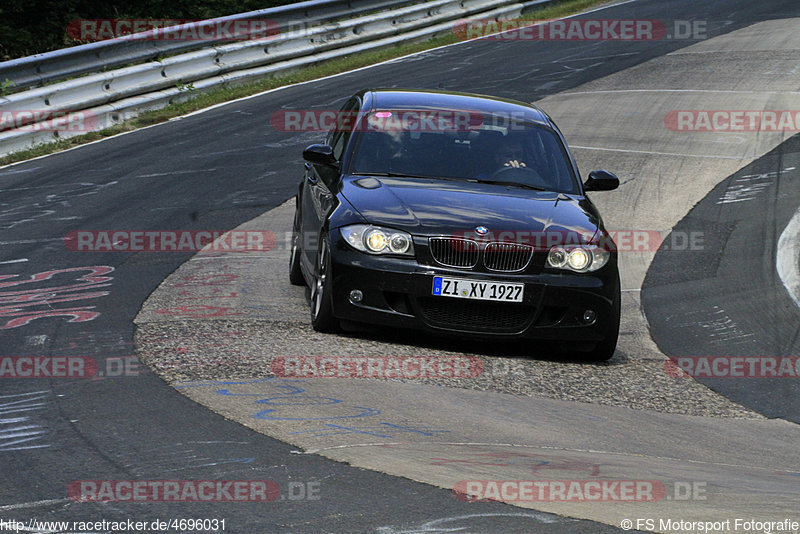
{"x":110,"y":97}
{"x":57,"y":65}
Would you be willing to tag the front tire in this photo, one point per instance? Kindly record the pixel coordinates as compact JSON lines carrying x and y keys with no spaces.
{"x":322,"y":319}
{"x":296,"y":277}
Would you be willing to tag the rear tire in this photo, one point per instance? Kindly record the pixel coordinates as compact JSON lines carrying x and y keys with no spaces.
{"x":322,"y":319}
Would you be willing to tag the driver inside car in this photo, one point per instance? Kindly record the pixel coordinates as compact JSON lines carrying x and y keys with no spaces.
{"x":509,"y":154}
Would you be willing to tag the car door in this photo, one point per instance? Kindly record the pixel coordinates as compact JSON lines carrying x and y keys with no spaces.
{"x":318,"y":201}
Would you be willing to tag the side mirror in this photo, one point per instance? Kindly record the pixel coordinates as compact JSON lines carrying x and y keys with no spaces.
{"x":319,"y":155}
{"x":601,"y":181}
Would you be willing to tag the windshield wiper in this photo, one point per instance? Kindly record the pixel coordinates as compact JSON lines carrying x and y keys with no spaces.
{"x":514,"y":184}
{"x":401,"y":175}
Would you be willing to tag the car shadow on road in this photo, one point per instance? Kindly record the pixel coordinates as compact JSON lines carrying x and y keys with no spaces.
{"x":550,"y":351}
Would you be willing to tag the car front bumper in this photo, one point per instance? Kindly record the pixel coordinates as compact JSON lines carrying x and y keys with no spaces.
{"x":398,"y":292}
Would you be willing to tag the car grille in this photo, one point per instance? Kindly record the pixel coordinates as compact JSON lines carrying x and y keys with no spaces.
{"x":466,"y":253}
{"x":507,"y":256}
{"x":454,"y":252}
{"x":475,"y":315}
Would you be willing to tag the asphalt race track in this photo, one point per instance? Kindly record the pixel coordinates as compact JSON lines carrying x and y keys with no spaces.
{"x":221,"y":168}
{"x":727,"y":289}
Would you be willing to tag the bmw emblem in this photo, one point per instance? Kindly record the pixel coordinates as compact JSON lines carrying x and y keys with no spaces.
{"x":482,"y":230}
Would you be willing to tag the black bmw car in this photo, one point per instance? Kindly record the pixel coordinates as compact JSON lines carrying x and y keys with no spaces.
{"x":457,"y":214}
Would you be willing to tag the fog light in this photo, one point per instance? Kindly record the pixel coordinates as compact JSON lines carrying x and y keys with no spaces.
{"x":589,"y":316}
{"x":356,"y":295}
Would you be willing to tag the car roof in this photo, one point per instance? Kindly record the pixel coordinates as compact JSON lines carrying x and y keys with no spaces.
{"x":394,"y":99}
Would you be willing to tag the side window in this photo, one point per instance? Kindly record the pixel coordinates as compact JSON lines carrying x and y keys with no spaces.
{"x":339,"y":144}
{"x":338,"y":137}
{"x":557,"y":161}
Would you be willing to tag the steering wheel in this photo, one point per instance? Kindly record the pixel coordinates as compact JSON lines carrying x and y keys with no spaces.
{"x":523,"y":175}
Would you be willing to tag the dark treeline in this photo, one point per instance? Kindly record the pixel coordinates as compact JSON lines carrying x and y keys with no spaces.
{"x":33,"y":26}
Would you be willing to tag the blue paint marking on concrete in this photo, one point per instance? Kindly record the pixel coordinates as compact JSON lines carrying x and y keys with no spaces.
{"x":384,"y":430}
{"x":300,"y":400}
{"x":292,"y":395}
{"x":364,"y":412}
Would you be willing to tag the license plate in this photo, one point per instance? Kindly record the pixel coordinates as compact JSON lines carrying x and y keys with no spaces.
{"x":444,"y":286}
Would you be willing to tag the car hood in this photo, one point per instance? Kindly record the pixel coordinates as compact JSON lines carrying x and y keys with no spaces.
{"x":425,"y":206}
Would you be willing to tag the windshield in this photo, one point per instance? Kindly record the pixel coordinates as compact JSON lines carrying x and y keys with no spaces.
{"x":489,"y":150}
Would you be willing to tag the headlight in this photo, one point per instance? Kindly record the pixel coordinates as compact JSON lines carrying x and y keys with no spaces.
{"x":375,"y":239}
{"x":557,"y":258}
{"x":400,"y":243}
{"x":378,"y":240}
{"x":580,"y":259}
